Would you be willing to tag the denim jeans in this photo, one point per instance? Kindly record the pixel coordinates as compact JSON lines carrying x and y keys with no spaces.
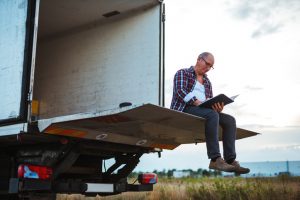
{"x":213,"y":120}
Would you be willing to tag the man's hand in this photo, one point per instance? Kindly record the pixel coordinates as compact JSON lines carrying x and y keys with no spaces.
{"x":197,"y":102}
{"x":218,"y":107}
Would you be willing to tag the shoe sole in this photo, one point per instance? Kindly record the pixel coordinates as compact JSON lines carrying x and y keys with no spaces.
{"x":242,"y":172}
{"x":233,"y":170}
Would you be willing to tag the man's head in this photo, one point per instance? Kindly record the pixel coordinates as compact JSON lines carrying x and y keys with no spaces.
{"x":205,"y":62}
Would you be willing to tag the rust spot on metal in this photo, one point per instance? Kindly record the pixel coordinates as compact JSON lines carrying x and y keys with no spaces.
{"x":55,"y":130}
{"x":165,"y":146}
{"x":112,"y":119}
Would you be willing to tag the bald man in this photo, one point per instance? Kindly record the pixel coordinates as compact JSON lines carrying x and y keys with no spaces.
{"x":191,"y":88}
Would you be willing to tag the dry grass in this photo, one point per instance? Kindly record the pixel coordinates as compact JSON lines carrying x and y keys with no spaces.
{"x":211,"y":189}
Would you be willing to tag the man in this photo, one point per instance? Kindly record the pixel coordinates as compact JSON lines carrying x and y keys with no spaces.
{"x":191,"y":88}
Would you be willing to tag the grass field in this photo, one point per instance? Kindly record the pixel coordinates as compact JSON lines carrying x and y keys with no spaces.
{"x":225,"y":188}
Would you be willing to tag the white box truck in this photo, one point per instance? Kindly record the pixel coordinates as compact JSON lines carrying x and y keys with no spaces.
{"x":82,"y":82}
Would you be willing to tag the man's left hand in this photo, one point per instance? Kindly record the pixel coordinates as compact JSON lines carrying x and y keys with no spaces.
{"x":218,"y":107}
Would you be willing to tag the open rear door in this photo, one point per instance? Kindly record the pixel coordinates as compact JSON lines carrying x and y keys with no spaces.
{"x":16,"y":33}
{"x":147,"y":125}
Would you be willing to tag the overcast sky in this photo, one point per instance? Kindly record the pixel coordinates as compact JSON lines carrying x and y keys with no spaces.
{"x":256,"y":45}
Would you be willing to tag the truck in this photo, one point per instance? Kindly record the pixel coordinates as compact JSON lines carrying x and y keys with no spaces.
{"x":82,"y":97}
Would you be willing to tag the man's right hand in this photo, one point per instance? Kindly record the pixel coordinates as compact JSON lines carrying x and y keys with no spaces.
{"x":197,"y":102}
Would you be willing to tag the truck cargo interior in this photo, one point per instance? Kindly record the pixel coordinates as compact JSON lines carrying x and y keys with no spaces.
{"x":93,"y":61}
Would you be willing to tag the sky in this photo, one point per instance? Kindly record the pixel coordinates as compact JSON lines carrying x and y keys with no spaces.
{"x":256,"y":45}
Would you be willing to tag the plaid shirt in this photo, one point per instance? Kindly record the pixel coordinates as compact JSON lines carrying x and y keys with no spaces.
{"x":184,"y":83}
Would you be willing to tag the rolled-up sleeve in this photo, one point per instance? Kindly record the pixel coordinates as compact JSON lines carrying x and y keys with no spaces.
{"x":180,"y":87}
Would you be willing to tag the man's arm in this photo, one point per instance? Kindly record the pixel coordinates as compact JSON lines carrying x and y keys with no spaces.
{"x":180,"y":87}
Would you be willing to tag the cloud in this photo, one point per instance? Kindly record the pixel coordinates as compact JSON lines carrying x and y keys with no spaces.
{"x":282,"y":147}
{"x":257,"y":126}
{"x":266,"y":29}
{"x":262,"y":9}
{"x":243,"y":10}
{"x":270,"y":16}
{"x":293,"y":130}
{"x":252,"y":88}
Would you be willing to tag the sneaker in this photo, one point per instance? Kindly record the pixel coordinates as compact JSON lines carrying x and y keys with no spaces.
{"x":221,"y":165}
{"x":238,"y":169}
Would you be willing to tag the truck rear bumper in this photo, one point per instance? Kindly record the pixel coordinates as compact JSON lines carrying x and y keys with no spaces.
{"x":17,"y":185}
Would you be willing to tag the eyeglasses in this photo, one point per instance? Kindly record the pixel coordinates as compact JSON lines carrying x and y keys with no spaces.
{"x":209,"y":65}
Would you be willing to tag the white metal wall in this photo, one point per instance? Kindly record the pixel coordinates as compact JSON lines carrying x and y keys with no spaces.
{"x":13,"y":14}
{"x":98,"y":68}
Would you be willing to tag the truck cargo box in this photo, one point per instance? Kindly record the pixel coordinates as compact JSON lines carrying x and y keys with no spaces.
{"x":91,"y":57}
{"x":82,"y":82}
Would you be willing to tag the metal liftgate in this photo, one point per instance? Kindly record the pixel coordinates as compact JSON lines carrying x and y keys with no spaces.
{"x":146,"y":125}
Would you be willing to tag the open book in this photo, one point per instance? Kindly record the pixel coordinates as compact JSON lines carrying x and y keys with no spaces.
{"x":219,"y":98}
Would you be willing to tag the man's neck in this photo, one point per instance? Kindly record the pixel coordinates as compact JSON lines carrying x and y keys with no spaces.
{"x":199,"y":75}
{"x":200,"y":78}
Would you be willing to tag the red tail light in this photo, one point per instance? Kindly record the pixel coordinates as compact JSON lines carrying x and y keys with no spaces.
{"x":34,"y":171}
{"x":147,"y":178}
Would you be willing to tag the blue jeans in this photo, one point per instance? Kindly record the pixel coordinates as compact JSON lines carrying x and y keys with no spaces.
{"x":213,"y":120}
